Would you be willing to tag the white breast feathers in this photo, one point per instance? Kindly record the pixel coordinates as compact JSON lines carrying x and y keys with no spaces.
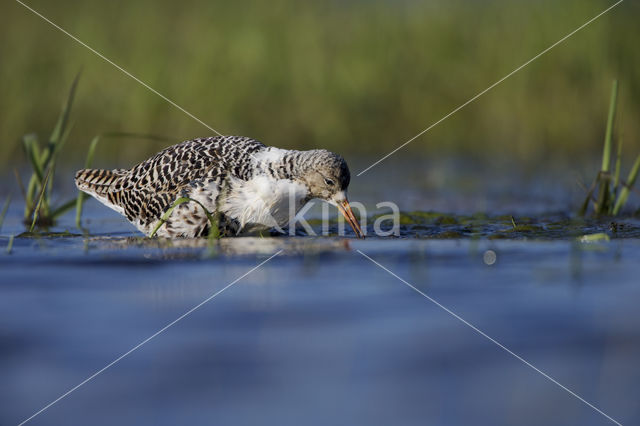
{"x":264,"y":201}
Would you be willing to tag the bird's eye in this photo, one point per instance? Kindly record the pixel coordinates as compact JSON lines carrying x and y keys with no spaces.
{"x":329,"y":182}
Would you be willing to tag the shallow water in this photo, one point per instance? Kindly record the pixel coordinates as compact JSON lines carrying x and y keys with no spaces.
{"x":319,"y":334}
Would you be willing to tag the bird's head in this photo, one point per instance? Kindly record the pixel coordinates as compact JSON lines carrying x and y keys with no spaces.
{"x":327,"y":177}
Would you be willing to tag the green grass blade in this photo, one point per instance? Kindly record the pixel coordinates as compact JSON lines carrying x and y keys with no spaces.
{"x":63,"y":208}
{"x":36,"y":211}
{"x":604,"y":195}
{"x":606,"y":152}
{"x":585,"y":203}
{"x":60,"y":128}
{"x":27,"y":203}
{"x":3,"y":213}
{"x":91,"y":151}
{"x":31,"y":150}
{"x":42,"y":160}
{"x":87,"y":164}
{"x":167,"y":214}
{"x":616,"y":173}
{"x":30,"y":197}
{"x":602,"y":204}
{"x":64,"y":138}
{"x":52,"y":162}
{"x":616,"y":176}
{"x":80,"y":199}
{"x":10,"y":245}
{"x":214,"y":232}
{"x":589,"y":197}
{"x":626,"y":189}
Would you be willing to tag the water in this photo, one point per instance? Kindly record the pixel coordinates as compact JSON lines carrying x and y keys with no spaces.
{"x":320,"y":334}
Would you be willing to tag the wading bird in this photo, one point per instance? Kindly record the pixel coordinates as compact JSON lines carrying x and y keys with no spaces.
{"x":251,"y":187}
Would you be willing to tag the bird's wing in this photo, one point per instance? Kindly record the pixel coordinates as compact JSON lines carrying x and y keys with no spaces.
{"x":153,"y":185}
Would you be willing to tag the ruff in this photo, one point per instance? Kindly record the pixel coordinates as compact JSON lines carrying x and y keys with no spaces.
{"x":251,"y":186}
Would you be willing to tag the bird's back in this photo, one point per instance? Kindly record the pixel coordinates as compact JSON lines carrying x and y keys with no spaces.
{"x":146,"y":191}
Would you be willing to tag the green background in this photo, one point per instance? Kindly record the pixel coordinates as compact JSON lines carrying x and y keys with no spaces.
{"x":357,"y":77}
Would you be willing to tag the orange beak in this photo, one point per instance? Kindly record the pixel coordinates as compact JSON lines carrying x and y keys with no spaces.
{"x":346,"y":211}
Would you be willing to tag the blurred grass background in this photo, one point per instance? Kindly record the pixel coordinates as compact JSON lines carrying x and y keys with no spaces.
{"x":357,"y":77}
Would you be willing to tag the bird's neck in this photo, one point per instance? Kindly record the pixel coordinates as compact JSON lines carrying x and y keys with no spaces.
{"x":283,"y":163}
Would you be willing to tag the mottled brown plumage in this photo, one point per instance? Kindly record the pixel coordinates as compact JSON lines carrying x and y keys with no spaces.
{"x":243,"y":180}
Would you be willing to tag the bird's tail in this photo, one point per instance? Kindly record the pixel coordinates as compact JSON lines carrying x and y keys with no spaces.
{"x":97,"y":181}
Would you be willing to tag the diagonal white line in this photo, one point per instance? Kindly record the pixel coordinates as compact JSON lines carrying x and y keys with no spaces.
{"x":189,"y":312}
{"x":483,"y":334}
{"x":120,"y":68}
{"x":490,"y":87}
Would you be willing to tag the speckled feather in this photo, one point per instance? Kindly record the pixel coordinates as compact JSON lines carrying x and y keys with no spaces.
{"x":222,"y":173}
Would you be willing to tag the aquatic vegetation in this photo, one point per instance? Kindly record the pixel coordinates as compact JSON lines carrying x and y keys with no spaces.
{"x":554,"y":226}
{"x":39,"y":211}
{"x":413,"y":217}
{"x":3,"y":212}
{"x":81,"y":195}
{"x":425,"y":225}
{"x":10,"y":245}
{"x":49,"y":234}
{"x":214,"y":232}
{"x":613,"y":192}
